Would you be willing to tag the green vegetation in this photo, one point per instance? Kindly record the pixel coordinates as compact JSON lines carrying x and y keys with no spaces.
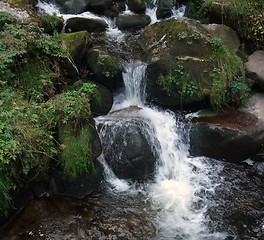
{"x":108,"y":65}
{"x":178,"y":82}
{"x":246,"y":16}
{"x":228,"y":87}
{"x":52,"y":23}
{"x":31,"y":110}
{"x":225,"y":86}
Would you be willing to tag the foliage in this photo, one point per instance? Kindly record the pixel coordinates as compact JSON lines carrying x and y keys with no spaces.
{"x":6,"y":18}
{"x":108,"y":65}
{"x":52,"y":23}
{"x":182,"y":35}
{"x":247,"y":15}
{"x":76,"y":152}
{"x":178,"y":82}
{"x":26,"y":51}
{"x":27,"y":134}
{"x":227,"y":80}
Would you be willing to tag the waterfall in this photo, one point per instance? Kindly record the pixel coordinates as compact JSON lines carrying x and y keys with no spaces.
{"x":182,"y":185}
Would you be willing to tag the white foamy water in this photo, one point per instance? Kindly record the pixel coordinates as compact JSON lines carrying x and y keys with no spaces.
{"x":112,"y":31}
{"x":182,"y":185}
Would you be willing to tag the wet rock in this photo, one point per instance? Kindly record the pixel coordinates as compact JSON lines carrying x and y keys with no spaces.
{"x":164,"y":8}
{"x":137,"y":6}
{"x":180,"y":51}
{"x":129,"y":154}
{"x":132,"y":22}
{"x":232,"y":136}
{"x":79,"y":186}
{"x":77,"y":44}
{"x":255,"y":68}
{"x":106,"y":98}
{"x":106,"y":68}
{"x":72,"y":6}
{"x":259,"y":168}
{"x":80,"y":24}
{"x":99,"y":6}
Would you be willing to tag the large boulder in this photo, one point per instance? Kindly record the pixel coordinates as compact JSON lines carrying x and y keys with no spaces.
{"x":99,"y":6}
{"x":72,"y":6}
{"x":184,"y":58}
{"x":106,"y":68}
{"x":106,"y":98}
{"x":165,"y":8}
{"x":232,"y":136}
{"x":78,"y":187}
{"x":77,"y":24}
{"x":127,"y":145}
{"x":132,"y":22}
{"x":137,"y":6}
{"x":255,"y":68}
{"x":77,"y":44}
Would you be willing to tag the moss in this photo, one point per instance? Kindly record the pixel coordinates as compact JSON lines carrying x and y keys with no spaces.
{"x":52,"y":23}
{"x":77,"y":153}
{"x":74,"y":40}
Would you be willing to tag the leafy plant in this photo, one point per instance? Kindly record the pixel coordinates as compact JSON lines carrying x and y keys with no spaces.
{"x":182,"y":35}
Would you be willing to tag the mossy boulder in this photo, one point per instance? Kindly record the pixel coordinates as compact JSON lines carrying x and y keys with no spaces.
{"x":80,"y":147}
{"x":77,"y":24}
{"x":137,"y":6}
{"x":106,"y":68}
{"x":52,"y":23}
{"x":232,"y":136}
{"x":78,"y":44}
{"x":6,"y":18}
{"x":105,"y":103}
{"x":184,"y":56}
{"x":80,"y":173}
{"x":132,"y":22}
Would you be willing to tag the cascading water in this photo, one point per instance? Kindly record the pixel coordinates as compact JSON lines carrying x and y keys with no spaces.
{"x":186,"y":198}
{"x":179,"y":180}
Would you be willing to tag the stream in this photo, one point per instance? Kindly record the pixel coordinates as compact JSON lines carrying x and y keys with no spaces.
{"x":192,"y":198}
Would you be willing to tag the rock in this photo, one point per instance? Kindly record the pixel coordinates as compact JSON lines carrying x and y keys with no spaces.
{"x":99,"y":6}
{"x":164,"y":8}
{"x":228,"y":35}
{"x":137,"y":6}
{"x":132,"y":22}
{"x":129,"y":153}
{"x":258,"y":168}
{"x":183,"y":61}
{"x":232,"y":136}
{"x":90,"y":25}
{"x":52,"y":23}
{"x":106,"y":98}
{"x":72,"y":6}
{"x":77,"y":44}
{"x":79,"y":186}
{"x":220,"y":13}
{"x":255,"y":68}
{"x":106,"y":68}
